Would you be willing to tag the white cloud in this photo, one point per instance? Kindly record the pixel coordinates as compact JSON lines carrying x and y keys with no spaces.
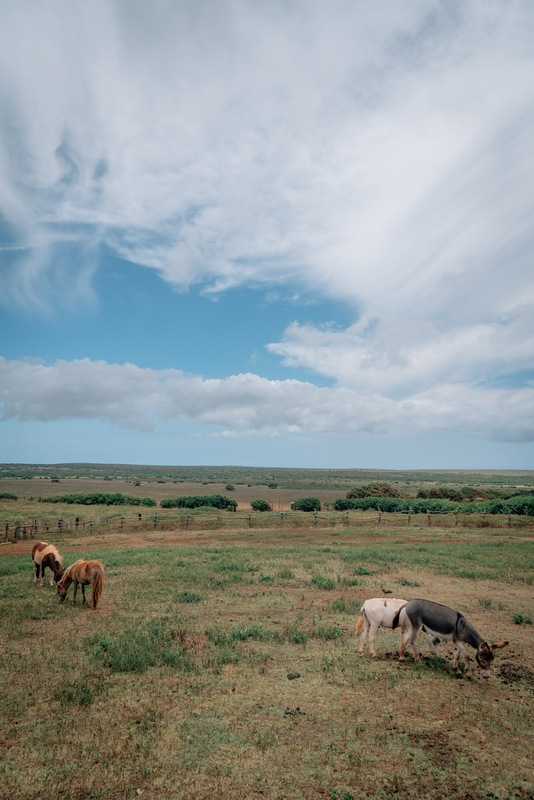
{"x":378,"y":153}
{"x":248,"y":404}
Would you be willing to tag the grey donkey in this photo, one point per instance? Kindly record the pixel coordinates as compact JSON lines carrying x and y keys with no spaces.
{"x":446,"y":623}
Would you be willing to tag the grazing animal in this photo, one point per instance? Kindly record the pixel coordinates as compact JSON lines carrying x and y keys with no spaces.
{"x":442,"y":621}
{"x":46,"y":555}
{"x":84,"y":573}
{"x":379,"y":612}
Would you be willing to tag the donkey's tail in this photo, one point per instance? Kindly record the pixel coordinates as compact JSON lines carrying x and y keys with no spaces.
{"x":98,"y":586}
{"x":359,"y":624}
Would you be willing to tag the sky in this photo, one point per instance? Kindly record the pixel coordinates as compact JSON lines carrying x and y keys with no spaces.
{"x":288,"y":233}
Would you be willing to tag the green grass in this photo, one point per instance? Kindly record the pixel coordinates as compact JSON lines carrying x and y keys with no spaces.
{"x":178,"y":684}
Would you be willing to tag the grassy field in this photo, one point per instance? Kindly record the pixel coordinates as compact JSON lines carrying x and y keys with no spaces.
{"x":183,"y":683}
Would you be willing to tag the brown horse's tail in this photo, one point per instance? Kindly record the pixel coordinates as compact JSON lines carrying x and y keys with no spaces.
{"x":98,"y":586}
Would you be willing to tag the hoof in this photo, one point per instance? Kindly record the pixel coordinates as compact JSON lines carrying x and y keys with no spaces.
{"x":374,"y":655}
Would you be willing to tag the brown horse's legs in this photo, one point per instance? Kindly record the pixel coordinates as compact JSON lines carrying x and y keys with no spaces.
{"x":83,"y":593}
{"x":75,"y":584}
{"x":36,"y":572}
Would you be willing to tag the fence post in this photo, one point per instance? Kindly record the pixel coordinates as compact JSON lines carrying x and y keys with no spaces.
{"x":122,"y":523}
{"x":218,"y":519}
{"x":24,"y":532}
{"x":7,"y":532}
{"x":509,"y":520}
{"x":379,"y":515}
{"x":250,"y":520}
{"x":409,"y":515}
{"x":155,"y":521}
{"x":17,"y":530}
{"x":315,"y":518}
{"x":77,"y":522}
{"x":456,"y":518}
{"x":91,"y":525}
{"x":429,"y":518}
{"x":347,"y":519}
{"x":281,"y":518}
{"x":34,"y":528}
{"x":139,"y":517}
{"x":60,"y":524}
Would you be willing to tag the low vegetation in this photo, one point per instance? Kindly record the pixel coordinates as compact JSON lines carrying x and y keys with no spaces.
{"x":99,"y":499}
{"x":200,"y":501}
{"x":227,"y":671}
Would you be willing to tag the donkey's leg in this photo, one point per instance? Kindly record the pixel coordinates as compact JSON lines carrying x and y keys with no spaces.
{"x":405,"y":638}
{"x":413,"y":642}
{"x":364,"y":635}
{"x":36,"y":572}
{"x":42,"y":574}
{"x":75,"y":584}
{"x":372,"y":632}
{"x":460,"y":649}
{"x":51,"y":571}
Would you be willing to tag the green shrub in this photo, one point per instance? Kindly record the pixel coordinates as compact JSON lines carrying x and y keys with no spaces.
{"x":229,"y":487}
{"x":99,"y":499}
{"x":519,"y":619}
{"x":197,"y":501}
{"x":323,"y":583}
{"x":306,"y":504}
{"x":362,"y":571}
{"x":8,"y":496}
{"x":296,"y":633}
{"x":261,"y":505}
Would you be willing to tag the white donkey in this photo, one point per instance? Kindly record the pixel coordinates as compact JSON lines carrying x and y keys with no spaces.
{"x":380,"y":612}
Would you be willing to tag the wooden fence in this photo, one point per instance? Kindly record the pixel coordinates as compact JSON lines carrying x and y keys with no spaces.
{"x":14,"y":531}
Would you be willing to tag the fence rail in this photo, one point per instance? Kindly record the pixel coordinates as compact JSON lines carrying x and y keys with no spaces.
{"x":17,"y":530}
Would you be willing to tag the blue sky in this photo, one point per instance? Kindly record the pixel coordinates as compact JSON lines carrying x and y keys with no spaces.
{"x":284,"y":234}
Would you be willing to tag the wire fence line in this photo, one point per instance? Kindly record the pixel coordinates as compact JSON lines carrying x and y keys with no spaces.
{"x":16,"y":530}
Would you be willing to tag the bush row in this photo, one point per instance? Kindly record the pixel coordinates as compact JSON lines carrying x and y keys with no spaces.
{"x":99,"y":499}
{"x":522,"y":505}
{"x":197,"y":501}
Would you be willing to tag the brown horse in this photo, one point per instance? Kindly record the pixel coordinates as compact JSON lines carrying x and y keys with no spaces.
{"x":46,"y":555}
{"x":84,"y":573}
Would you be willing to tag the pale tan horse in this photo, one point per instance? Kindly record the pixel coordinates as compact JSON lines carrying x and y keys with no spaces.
{"x":46,"y":555}
{"x":83,"y":573}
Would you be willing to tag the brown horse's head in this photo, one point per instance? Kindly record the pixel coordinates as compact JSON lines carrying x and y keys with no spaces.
{"x":62,"y":586}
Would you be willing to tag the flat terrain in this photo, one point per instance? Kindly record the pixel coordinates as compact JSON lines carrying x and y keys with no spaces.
{"x":182,"y":684}
{"x":280,"y":498}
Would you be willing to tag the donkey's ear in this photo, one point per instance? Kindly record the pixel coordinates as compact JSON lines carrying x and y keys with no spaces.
{"x":499,"y":645}
{"x":485,"y":646}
